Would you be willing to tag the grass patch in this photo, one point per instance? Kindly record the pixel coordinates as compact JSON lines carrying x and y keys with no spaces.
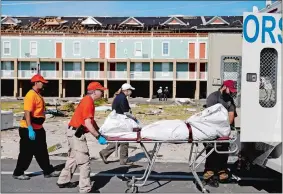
{"x":16,"y":107}
{"x":101,"y":101}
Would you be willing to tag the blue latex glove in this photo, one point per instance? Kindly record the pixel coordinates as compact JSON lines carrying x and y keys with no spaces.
{"x":31,"y":133}
{"x":102,"y":140}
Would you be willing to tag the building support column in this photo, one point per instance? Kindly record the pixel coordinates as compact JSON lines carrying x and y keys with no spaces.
{"x":16,"y":78}
{"x":198,"y":81}
{"x":151,"y":79}
{"x":174,"y":78}
{"x":21,"y":88}
{"x":83,"y":78}
{"x":60,"y":76}
{"x":106,"y":93}
{"x":128,"y":71}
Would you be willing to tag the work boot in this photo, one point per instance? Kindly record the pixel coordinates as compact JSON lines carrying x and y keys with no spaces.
{"x":103,"y":158}
{"x":53,"y":174}
{"x":223,"y":176}
{"x":21,"y":177}
{"x":67,"y":185}
{"x":208,"y":179}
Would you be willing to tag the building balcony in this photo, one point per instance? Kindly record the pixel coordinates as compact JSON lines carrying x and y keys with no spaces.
{"x":182,"y":76}
{"x":94,"y":74}
{"x":7,"y":74}
{"x":163,"y":75}
{"x":49,"y":74}
{"x":72,"y":74}
{"x":27,"y":74}
{"x":140,"y":75}
{"x":122,"y":75}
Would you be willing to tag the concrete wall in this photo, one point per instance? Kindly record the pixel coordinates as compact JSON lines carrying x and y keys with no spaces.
{"x":218,"y":46}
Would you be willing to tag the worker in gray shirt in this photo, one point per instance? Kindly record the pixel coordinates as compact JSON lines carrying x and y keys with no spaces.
{"x":216,"y":164}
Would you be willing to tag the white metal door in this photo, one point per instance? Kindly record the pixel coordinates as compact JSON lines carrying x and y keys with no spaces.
{"x":261,"y":78}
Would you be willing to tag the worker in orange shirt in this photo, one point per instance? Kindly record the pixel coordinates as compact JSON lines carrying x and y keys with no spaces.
{"x":82,"y":122}
{"x":32,"y":133}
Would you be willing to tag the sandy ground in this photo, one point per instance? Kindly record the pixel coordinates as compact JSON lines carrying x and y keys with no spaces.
{"x":56,"y":129}
{"x":56,"y":133}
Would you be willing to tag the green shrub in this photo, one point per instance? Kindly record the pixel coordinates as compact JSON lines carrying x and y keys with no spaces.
{"x":68,"y":107}
{"x":100,"y":102}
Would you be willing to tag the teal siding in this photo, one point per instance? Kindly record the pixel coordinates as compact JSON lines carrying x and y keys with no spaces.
{"x":121,"y":66}
{"x":14,"y":48}
{"x":182,"y":67}
{"x":178,"y":48}
{"x":158,"y":66}
{"x":126,"y":48}
{"x":45,"y":47}
{"x":47,"y":66}
{"x":89,"y":48}
{"x":91,"y":66}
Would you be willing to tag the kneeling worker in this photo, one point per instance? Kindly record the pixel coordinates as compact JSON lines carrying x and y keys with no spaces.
{"x":121,"y":106}
{"x":32,"y":133}
{"x":217,"y":163}
{"x":82,"y":122}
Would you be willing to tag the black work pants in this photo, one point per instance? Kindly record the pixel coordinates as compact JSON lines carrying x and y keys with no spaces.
{"x":165,"y":97}
{"x":216,"y":162}
{"x":160,"y":96}
{"x":30,"y":148}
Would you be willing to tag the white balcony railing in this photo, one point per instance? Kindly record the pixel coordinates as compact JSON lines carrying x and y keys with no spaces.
{"x":192,"y":75}
{"x":203,"y":76}
{"x":117,"y":74}
{"x":94,"y":74}
{"x":182,"y":76}
{"x":26,"y":73}
{"x":140,"y":75}
{"x":72,"y":74}
{"x":49,"y":74}
{"x":163,"y":75}
{"x":7,"y":74}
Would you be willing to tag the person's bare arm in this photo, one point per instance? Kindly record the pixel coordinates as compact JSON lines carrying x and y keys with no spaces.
{"x":91,"y":128}
{"x":28,"y":117}
{"x":95,"y":125}
{"x":231,"y":117}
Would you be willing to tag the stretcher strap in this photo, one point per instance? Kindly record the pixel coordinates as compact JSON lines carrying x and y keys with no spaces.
{"x":190,"y":140}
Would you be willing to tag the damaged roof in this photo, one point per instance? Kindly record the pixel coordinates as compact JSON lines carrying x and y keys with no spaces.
{"x":86,"y":24}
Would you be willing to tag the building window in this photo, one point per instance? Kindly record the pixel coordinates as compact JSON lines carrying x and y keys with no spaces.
{"x":33,"y":67}
{"x":77,"y":66}
{"x":7,"y":48}
{"x":76,"y":48}
{"x":268,"y":77}
{"x":165,"y":48}
{"x":165,"y":69}
{"x":138,"y":49}
{"x":6,"y":65}
{"x":33,"y":48}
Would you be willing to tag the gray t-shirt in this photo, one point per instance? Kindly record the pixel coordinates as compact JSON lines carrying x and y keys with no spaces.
{"x":217,"y":97}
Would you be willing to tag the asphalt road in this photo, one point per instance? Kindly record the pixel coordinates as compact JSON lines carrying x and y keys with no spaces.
{"x":110,"y":178}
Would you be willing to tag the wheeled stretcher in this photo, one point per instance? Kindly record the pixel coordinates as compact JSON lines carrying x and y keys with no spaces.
{"x":135,"y":182}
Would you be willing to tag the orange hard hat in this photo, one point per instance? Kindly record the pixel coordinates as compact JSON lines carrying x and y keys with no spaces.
{"x":95,"y":86}
{"x":38,"y":78}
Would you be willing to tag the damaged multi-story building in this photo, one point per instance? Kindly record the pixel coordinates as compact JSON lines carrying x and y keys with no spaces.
{"x":147,"y":52}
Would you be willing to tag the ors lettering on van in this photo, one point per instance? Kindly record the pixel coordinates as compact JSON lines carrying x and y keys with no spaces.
{"x":266,"y":28}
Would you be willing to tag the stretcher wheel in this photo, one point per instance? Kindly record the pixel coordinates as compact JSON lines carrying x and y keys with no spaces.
{"x":132,"y":190}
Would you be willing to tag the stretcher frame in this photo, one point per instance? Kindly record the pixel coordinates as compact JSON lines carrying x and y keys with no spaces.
{"x":135,"y":182}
